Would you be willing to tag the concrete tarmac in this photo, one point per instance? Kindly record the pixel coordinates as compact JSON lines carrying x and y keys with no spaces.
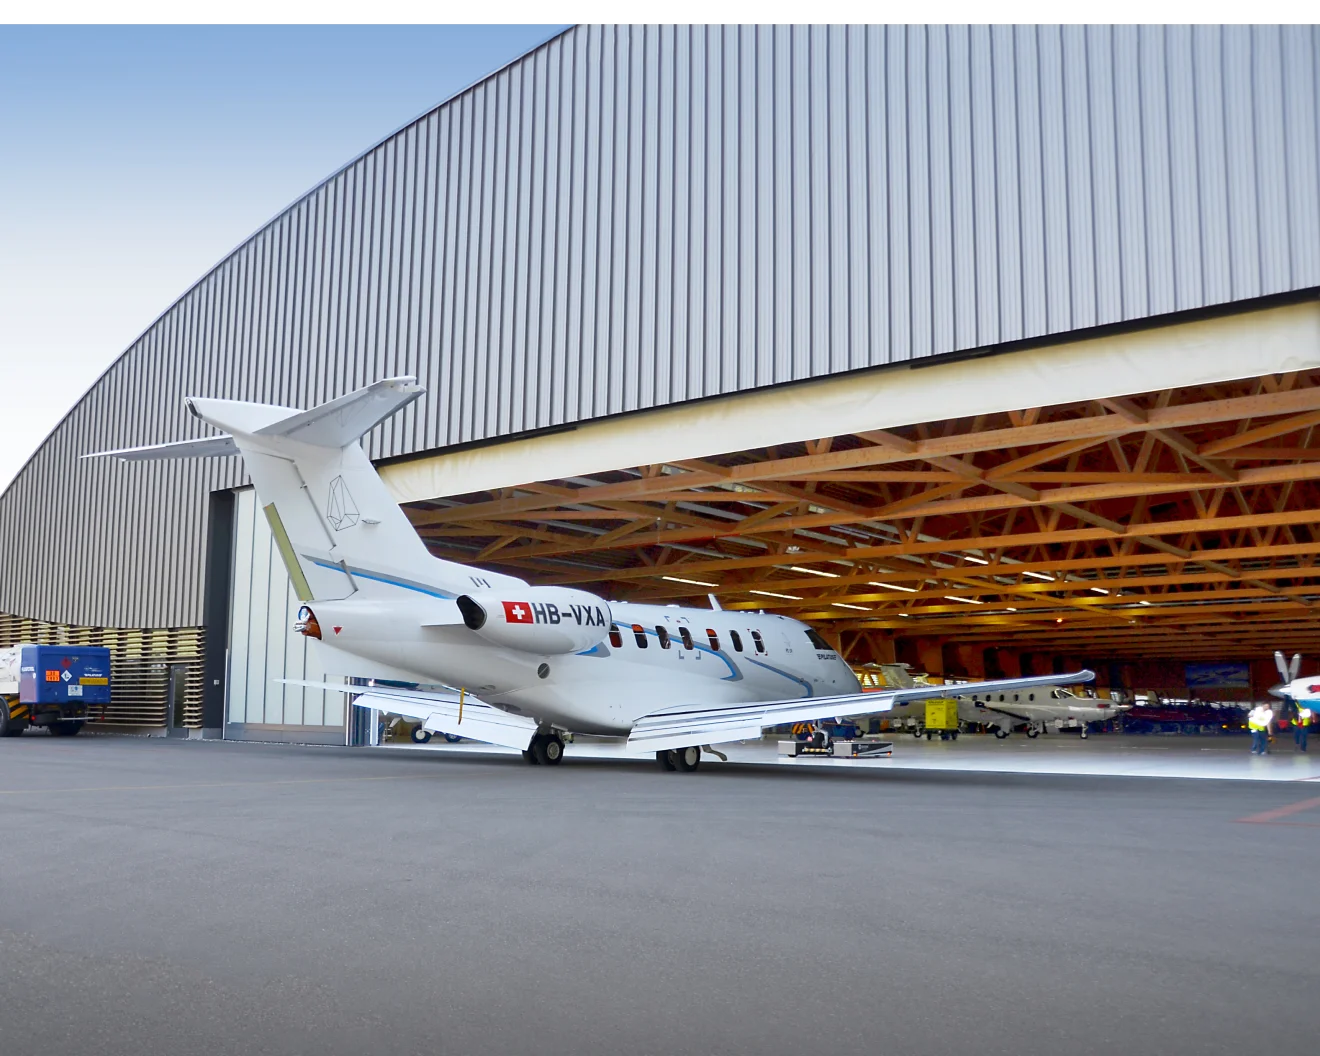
{"x":166,"y":898}
{"x":1221,"y":758}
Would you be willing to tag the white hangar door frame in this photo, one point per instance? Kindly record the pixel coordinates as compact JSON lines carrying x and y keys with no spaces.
{"x":264,"y":648}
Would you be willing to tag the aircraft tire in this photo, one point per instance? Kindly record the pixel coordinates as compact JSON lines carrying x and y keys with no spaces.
{"x":420,"y":735}
{"x":530,"y":753}
{"x":688,"y":759}
{"x":1000,"y":733}
{"x":1083,"y":733}
{"x":665,"y":761}
{"x":1032,"y":732}
{"x":549,"y":750}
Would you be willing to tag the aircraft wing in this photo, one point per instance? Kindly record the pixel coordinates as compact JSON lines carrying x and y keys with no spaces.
{"x":439,"y":712}
{"x":685,"y":725}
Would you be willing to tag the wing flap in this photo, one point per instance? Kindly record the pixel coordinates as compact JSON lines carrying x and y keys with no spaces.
{"x":685,"y":725}
{"x":440,"y":712}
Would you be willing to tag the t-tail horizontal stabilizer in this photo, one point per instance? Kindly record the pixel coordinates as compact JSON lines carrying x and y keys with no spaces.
{"x":336,"y":526}
{"x":207,"y":447}
{"x":334,"y":425}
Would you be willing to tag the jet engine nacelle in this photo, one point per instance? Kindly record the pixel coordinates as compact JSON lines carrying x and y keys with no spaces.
{"x":542,"y":620}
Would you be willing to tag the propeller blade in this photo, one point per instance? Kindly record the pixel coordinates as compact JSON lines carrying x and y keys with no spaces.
{"x":1294,"y":667}
{"x":1282,"y":665}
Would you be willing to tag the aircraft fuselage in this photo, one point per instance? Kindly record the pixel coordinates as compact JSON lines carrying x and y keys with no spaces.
{"x":654,"y":656}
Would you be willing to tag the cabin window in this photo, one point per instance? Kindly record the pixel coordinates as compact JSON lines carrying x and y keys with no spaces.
{"x":639,"y":632}
{"x":737,"y":640}
{"x":662,"y":633}
{"x":1031,"y":696}
{"x":616,"y":639}
{"x":686,"y":635}
{"x":714,"y":639}
{"x":818,"y":642}
{"x":760,"y":643}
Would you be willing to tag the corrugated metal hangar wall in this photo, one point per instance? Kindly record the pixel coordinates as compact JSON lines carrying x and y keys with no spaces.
{"x":629,"y":217}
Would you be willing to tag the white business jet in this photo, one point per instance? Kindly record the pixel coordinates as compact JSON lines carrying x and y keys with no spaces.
{"x":990,"y":704}
{"x":495,"y":659}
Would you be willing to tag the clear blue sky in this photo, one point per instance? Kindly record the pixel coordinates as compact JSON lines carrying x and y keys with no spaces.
{"x":132,"y":159}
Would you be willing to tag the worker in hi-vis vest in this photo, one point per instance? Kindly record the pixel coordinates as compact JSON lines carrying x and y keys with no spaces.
{"x":1301,"y":726}
{"x":1258,"y":722}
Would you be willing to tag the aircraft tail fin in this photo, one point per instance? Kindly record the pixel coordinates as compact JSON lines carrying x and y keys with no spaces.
{"x":335,"y":524}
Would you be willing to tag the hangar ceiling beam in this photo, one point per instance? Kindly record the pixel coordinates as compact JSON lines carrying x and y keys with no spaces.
{"x":1141,"y":517}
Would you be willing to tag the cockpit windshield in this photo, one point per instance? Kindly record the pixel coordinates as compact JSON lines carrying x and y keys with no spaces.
{"x":819,"y":642}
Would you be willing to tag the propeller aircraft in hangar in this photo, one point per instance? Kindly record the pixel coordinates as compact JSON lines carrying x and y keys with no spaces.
{"x":1005,"y":709}
{"x":531,"y":662}
{"x":1302,"y":692}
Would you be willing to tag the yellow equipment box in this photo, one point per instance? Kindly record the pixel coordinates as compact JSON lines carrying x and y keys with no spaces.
{"x":942,"y":714}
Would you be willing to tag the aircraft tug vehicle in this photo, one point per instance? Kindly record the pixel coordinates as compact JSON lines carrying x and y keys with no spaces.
{"x":492,"y":657}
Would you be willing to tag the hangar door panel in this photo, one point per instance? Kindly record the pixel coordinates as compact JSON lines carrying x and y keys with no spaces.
{"x":264,"y":648}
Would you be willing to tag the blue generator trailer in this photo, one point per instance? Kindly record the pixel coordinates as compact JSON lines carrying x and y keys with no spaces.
{"x":55,"y":686}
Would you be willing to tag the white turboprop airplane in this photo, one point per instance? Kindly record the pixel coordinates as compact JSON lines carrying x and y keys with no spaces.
{"x":532,"y":662}
{"x":1303,"y":692}
{"x":1004,"y":709}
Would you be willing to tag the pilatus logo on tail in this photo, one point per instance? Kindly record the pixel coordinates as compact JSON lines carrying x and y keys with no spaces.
{"x":535,"y":612}
{"x":341,"y":511}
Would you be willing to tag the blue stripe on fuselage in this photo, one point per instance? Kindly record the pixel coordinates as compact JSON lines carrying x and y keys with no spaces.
{"x":380,"y":577}
{"x":793,"y":678}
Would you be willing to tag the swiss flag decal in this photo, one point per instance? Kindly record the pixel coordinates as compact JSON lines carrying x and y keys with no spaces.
{"x":517,"y":612}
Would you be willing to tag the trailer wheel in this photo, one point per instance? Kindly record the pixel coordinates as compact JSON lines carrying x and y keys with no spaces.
{"x":10,"y":726}
{"x":66,"y":728}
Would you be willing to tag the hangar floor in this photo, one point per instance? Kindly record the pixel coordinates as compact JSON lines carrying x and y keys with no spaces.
{"x":216,"y":898}
{"x":1112,"y":755}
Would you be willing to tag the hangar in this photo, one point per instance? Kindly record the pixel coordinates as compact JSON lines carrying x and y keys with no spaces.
{"x":986,"y":349}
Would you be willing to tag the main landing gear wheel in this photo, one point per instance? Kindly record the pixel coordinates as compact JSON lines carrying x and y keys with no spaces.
{"x":665,"y":760}
{"x":687,"y":759}
{"x":1000,"y":734}
{"x":419,"y":735}
{"x":1032,"y":732}
{"x":547,"y":749}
